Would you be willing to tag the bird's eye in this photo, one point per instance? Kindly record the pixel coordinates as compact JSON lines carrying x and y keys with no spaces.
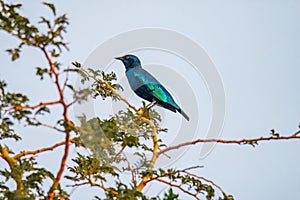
{"x":126,"y":57}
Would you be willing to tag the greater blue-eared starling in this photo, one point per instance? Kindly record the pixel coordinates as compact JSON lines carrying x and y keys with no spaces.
{"x":148,"y":87}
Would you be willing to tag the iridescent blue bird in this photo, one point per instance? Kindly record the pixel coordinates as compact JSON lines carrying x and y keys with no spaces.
{"x":148,"y":87}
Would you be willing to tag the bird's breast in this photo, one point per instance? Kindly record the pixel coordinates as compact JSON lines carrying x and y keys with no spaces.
{"x":135,"y":79}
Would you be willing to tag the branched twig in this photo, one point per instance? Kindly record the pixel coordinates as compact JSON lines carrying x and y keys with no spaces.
{"x":223,"y":141}
{"x":102,"y":187}
{"x":67,"y":121}
{"x":34,"y":152}
{"x":185,"y":171}
{"x":122,"y":98}
{"x":133,"y":174}
{"x":72,"y":102}
{"x":48,"y":125}
{"x":178,"y":186}
{"x":193,"y":167}
{"x":116,"y":93}
{"x":297,"y":133}
{"x":78,"y":184}
{"x":207,"y":180}
{"x":19,"y":107}
{"x":91,"y":183}
{"x":109,"y":87}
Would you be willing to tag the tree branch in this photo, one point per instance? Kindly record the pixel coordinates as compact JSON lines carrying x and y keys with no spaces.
{"x":208,"y":181}
{"x":91,"y":183}
{"x":117,"y":94}
{"x":34,"y":152}
{"x":5,"y":155}
{"x":177,"y":186}
{"x":62,"y":167}
{"x":154,"y":155}
{"x":47,"y":125}
{"x":66,"y":120}
{"x":38,"y":105}
{"x":252,"y":141}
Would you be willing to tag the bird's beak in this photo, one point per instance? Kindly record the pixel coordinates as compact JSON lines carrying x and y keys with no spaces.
{"x":119,"y":58}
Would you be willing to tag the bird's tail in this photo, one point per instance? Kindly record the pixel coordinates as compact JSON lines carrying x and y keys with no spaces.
{"x":183,"y":114}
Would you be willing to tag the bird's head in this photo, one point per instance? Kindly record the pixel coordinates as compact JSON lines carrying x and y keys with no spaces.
{"x":130,"y":61}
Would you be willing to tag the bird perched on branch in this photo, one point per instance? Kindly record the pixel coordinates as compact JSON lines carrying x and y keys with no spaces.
{"x":148,"y":87}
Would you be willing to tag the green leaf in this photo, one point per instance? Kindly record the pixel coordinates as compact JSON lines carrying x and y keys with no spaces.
{"x":130,"y":141}
{"x":274,"y":133}
{"x":76,"y":64}
{"x":51,"y":6}
{"x":42,"y":110}
{"x":41,"y":71}
{"x":170,"y":195}
{"x":15,"y":53}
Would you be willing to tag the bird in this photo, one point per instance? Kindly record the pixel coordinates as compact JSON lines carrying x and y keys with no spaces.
{"x":146,"y":86}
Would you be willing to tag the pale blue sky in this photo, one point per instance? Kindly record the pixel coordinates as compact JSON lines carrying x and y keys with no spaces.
{"x":253,"y":44}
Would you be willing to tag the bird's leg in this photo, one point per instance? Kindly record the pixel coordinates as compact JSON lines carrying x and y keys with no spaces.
{"x":151,"y":104}
{"x":145,"y":108}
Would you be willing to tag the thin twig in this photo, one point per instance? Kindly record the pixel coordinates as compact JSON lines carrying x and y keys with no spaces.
{"x":113,"y":91}
{"x":193,"y":167}
{"x":78,"y":184}
{"x":66,"y":80}
{"x":223,"y":141}
{"x":34,"y":152}
{"x":19,"y":107}
{"x":177,"y":186}
{"x":91,"y":183}
{"x":117,"y":94}
{"x":47,"y":125}
{"x":207,"y":180}
{"x":133,"y":174}
{"x":116,"y":156}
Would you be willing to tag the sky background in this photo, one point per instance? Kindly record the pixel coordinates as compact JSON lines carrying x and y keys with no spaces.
{"x":254,"y":46}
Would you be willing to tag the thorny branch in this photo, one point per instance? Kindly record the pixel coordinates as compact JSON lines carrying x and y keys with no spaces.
{"x":66,"y":120}
{"x":251,"y":141}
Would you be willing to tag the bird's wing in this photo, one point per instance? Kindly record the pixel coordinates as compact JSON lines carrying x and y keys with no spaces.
{"x":158,"y":91}
{"x":156,"y":88}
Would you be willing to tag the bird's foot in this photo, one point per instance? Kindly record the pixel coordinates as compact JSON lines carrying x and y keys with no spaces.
{"x":151,"y":104}
{"x":144,"y":111}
